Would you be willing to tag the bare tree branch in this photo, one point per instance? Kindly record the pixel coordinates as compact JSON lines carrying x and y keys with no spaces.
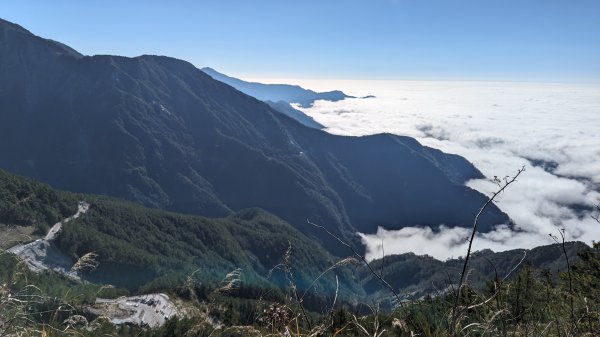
{"x":597,"y":216}
{"x":362,"y":258}
{"x":503,"y":184}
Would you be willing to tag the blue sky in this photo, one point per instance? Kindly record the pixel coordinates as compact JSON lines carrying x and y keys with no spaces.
{"x":347,"y":39}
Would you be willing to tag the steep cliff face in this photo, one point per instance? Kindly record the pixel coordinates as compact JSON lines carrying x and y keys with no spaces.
{"x":160,"y":132}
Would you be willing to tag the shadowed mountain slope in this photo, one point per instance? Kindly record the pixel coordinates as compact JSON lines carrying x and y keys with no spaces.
{"x":158,"y":131}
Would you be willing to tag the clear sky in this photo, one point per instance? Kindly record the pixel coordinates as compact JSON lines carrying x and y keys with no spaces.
{"x":352,"y":39}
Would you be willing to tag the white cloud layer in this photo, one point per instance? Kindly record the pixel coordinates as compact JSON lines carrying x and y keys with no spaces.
{"x":500,"y":127}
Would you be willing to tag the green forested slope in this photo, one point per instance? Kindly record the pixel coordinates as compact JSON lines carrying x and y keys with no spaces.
{"x":147,"y":249}
{"x":139,"y":246}
{"x":416,"y":276}
{"x":26,"y":202}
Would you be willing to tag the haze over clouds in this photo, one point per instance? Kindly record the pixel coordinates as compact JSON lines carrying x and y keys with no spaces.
{"x":552,"y":129}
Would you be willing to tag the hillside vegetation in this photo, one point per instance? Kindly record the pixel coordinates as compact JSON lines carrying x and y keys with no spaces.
{"x":530,"y":303}
{"x":25,"y":202}
{"x":147,"y":249}
{"x":138,"y":246}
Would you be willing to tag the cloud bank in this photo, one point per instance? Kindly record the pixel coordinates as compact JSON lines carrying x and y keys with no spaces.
{"x":552,"y":129}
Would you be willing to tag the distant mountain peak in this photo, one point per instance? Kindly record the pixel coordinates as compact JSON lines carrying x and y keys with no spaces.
{"x":281,"y":96}
{"x":277,"y":92}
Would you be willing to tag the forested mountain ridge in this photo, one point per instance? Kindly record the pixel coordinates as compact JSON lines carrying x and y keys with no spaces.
{"x":416,"y":276}
{"x":158,"y":250}
{"x":138,"y":246}
{"x":158,"y":131}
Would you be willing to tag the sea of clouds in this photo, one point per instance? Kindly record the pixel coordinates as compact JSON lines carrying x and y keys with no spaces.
{"x":553,"y":130}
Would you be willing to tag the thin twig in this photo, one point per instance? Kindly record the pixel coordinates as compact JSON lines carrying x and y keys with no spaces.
{"x":564,"y":250}
{"x":362,"y":258}
{"x":597,"y":216}
{"x":507,"y":182}
{"x":382,"y":258}
{"x":504,"y":279}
